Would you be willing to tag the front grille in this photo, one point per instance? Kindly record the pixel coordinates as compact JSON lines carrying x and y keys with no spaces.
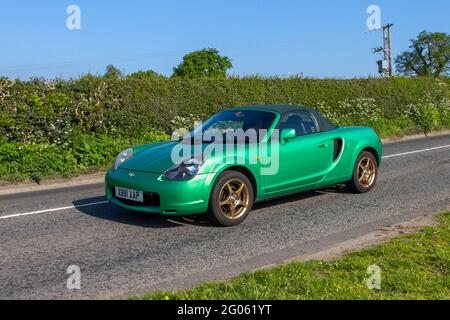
{"x":151,"y":199}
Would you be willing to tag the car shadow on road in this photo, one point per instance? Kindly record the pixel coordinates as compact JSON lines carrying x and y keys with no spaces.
{"x":301,"y":196}
{"x":114,"y":213}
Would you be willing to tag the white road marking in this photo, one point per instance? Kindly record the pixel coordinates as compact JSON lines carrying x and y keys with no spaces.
{"x":417,"y":151}
{"x":53,"y":210}
{"x":105,"y":202}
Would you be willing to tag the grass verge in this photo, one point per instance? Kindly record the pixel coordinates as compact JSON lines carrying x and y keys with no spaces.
{"x":415,"y":266}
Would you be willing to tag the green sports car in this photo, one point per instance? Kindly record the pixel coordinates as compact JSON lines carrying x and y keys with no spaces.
{"x":242,"y":156}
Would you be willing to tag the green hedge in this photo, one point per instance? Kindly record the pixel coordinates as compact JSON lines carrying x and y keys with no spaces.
{"x":39,"y":111}
{"x":107,"y":113}
{"x":20,"y":161}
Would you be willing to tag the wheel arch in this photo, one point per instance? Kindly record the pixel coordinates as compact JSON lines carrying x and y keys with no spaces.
{"x":245,"y":171}
{"x":371,"y":144}
{"x":373,"y":151}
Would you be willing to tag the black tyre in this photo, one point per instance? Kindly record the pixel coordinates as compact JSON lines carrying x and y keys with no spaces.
{"x":231,"y":199}
{"x":365,"y":173}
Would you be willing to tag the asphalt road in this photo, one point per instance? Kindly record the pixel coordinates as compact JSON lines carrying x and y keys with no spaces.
{"x":121,"y":252}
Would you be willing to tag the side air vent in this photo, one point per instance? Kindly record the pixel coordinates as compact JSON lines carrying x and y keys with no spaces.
{"x":338,"y":144}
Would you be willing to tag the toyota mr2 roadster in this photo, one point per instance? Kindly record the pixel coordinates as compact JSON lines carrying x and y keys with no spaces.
{"x":242,"y":156}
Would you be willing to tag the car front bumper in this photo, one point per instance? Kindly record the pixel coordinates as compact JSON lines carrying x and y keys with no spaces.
{"x":170,"y":198}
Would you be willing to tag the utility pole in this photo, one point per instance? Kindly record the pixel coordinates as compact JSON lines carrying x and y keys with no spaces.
{"x":385,"y":67}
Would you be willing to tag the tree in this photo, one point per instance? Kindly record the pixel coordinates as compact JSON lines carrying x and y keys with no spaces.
{"x":113,"y":72}
{"x":206,"y":63}
{"x":429,"y":56}
{"x":145,"y":74}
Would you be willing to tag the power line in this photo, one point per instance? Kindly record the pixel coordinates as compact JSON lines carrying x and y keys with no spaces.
{"x":92,"y":62}
{"x":385,"y":66}
{"x":137,"y":57}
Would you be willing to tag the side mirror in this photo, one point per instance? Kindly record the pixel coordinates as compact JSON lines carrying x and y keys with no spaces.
{"x":287,"y":134}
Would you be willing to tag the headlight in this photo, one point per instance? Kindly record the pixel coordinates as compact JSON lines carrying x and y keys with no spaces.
{"x":185,"y":170}
{"x":122,"y":157}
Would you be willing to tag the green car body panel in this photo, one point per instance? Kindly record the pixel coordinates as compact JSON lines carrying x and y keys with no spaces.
{"x":305,"y":163}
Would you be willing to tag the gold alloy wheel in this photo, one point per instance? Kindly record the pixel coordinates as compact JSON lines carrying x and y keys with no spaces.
{"x":367,"y":171}
{"x":234,"y":199}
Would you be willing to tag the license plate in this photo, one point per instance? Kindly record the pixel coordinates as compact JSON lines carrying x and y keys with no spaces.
{"x":129,"y":194}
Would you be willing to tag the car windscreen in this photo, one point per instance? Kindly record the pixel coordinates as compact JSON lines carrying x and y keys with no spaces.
{"x":228,"y":122}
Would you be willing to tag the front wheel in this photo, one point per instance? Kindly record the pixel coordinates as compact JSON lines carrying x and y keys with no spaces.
{"x":365,"y":173}
{"x":231,"y":199}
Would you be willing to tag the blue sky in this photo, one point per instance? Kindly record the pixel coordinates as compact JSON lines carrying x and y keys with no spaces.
{"x":278,"y":37}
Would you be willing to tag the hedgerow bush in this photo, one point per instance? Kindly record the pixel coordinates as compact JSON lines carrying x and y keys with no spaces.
{"x":85,"y":152}
{"x":54,"y":127}
{"x":430,"y":113}
{"x":48,"y":111}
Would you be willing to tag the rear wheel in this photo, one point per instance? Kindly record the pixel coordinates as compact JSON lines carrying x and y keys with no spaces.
{"x":231,"y":199}
{"x":365,"y":173}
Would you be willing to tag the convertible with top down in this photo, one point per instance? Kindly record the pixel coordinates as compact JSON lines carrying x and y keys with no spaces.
{"x":283,"y":150}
